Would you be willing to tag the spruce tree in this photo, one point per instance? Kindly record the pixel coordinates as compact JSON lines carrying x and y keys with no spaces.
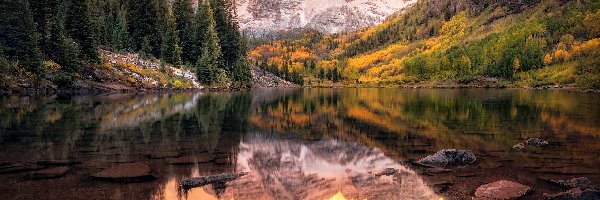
{"x":61,"y":49}
{"x":44,"y":12}
{"x":231,"y":40}
{"x":119,"y":35}
{"x":171,"y":52}
{"x":19,"y":39}
{"x":211,"y":59}
{"x":143,"y":26}
{"x":81,"y":28}
{"x":184,"y":18}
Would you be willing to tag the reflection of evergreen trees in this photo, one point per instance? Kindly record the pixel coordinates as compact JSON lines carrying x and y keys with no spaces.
{"x":59,"y":126}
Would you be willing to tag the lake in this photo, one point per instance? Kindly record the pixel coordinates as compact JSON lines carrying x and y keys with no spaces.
{"x":295,"y":143}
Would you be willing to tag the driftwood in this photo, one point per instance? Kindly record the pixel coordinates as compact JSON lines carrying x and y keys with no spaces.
{"x":206,"y":180}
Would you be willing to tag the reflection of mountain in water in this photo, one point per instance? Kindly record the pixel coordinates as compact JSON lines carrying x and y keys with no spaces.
{"x":292,"y":169}
{"x":148,"y":108}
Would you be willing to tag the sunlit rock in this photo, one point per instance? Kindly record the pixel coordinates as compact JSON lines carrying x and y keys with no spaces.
{"x":500,"y":190}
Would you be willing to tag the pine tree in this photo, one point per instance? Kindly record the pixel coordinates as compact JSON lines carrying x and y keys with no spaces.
{"x":44,"y":12}
{"x":231,"y":40}
{"x":19,"y":39}
{"x":81,"y":28}
{"x":211,"y":59}
{"x":184,"y":18}
{"x":61,"y":49}
{"x":119,"y":35}
{"x":171,"y":52}
{"x":143,"y":26}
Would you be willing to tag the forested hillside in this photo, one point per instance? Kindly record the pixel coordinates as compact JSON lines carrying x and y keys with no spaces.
{"x":59,"y":41}
{"x":526,"y":43}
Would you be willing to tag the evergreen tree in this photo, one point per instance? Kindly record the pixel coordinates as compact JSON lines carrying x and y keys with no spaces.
{"x":44,"y":11}
{"x":119,"y":35}
{"x":171,"y":52}
{"x":61,"y":49}
{"x":80,"y":27}
{"x":19,"y":39}
{"x":211,"y":59}
{"x":143,"y":26}
{"x":231,"y":40}
{"x":184,"y":18}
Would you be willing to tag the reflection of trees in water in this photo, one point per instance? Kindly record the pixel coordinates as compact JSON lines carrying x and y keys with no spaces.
{"x":426,"y":120}
{"x":122,"y":124}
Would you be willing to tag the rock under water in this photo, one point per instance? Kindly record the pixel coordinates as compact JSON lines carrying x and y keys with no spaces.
{"x":126,"y":173}
{"x":501,"y":190}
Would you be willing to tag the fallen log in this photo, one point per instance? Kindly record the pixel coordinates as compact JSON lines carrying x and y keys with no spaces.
{"x":206,"y":180}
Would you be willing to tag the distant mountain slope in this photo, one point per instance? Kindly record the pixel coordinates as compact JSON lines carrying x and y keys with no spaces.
{"x":528,"y":43}
{"x":325,"y":16}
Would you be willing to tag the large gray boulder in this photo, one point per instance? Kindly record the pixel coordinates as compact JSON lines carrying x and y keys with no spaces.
{"x":448,"y":158}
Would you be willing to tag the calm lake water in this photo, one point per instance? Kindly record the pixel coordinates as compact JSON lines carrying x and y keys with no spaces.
{"x":297,"y":143}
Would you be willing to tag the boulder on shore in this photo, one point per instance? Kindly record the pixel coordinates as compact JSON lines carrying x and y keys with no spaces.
{"x":500,"y":190}
{"x":126,"y":173}
{"x":448,"y":158}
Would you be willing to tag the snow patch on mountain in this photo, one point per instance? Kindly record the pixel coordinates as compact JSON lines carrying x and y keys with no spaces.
{"x":325,"y":16}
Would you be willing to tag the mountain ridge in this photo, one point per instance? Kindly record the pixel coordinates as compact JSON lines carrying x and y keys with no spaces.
{"x":326,"y":16}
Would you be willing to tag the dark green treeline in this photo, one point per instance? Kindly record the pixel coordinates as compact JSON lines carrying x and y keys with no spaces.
{"x":178,"y":32}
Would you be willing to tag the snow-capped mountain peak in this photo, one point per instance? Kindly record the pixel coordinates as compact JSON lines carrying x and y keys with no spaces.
{"x":326,"y":16}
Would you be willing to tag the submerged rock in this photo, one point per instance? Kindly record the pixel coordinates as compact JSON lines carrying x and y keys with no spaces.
{"x":214,"y":179}
{"x":163,"y":155}
{"x":581,"y":182}
{"x":49,"y":173}
{"x":519,"y":146}
{"x":501,"y":190}
{"x":536,"y":142}
{"x":385,"y":172}
{"x":190,"y":160}
{"x":57,"y":162}
{"x":126,"y":173}
{"x":448,"y":158}
{"x":19,"y":167}
{"x":575,"y":194}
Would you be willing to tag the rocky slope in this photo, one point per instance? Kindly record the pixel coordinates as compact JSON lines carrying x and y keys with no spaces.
{"x":326,"y":16}
{"x":264,"y":79}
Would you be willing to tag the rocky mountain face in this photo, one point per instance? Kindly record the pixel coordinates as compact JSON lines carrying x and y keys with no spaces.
{"x":325,"y":16}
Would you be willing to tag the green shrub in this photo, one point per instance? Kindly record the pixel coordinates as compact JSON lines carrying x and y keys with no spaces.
{"x":63,"y":79}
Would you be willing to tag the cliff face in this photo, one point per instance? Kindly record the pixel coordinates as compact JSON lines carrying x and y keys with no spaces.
{"x":325,"y":16}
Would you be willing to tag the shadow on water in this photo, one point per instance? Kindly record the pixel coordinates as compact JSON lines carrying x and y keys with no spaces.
{"x":296,"y":143}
